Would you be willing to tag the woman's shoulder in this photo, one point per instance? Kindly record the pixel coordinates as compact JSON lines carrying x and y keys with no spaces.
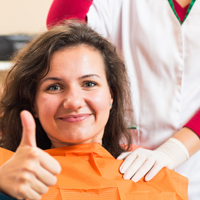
{"x":5,"y":155}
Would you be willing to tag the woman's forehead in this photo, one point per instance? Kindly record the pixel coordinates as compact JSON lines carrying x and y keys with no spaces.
{"x":81,"y":59}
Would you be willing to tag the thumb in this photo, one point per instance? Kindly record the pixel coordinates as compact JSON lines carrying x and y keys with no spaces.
{"x":28,"y":129}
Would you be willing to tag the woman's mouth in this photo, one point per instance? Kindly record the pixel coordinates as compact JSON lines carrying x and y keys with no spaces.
{"x":75,"y":118}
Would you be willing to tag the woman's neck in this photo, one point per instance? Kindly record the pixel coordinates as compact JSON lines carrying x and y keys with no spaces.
{"x":183,"y":3}
{"x":180,"y":11}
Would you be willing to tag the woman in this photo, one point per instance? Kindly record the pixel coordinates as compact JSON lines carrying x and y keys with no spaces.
{"x":160,"y":43}
{"x":75,"y":86}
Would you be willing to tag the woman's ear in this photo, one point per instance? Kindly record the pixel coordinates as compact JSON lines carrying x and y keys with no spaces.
{"x":111,"y":99}
{"x":34,"y":112}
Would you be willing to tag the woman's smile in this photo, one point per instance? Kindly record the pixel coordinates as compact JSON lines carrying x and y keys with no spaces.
{"x":75,"y":118}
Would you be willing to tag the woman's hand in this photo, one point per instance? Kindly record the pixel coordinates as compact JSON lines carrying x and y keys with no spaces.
{"x":143,"y":162}
{"x":30,"y":171}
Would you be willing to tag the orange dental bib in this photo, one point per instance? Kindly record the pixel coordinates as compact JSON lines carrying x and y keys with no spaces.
{"x":90,"y":172}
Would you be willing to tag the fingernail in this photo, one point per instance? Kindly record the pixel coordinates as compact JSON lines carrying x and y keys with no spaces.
{"x":135,"y":179}
{"x":147,"y":178}
{"x":125,"y":177}
{"x":121,"y":170}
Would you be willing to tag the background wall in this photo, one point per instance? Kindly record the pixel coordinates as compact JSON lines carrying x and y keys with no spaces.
{"x":26,"y":17}
{"x":23,"y":16}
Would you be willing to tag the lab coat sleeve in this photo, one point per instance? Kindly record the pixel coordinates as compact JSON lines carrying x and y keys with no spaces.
{"x":193,"y":124}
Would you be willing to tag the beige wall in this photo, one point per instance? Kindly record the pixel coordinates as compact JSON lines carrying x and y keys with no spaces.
{"x":23,"y":16}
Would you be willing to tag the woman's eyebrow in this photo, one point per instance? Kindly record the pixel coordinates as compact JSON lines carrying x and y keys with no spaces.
{"x":60,"y":79}
{"x":51,"y":78}
{"x":89,"y":75}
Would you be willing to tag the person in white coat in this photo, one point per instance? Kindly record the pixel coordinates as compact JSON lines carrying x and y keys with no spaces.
{"x":161,"y":51}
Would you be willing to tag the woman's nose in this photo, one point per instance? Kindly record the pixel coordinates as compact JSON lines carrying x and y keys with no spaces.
{"x":73,"y":99}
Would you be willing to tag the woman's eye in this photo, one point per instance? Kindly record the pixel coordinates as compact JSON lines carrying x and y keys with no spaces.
{"x":54,"y":88}
{"x":90,"y":84}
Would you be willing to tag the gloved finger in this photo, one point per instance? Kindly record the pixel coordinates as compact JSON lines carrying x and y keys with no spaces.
{"x":127,"y":162}
{"x":144,"y":169}
{"x":131,"y":157}
{"x":123,"y":155}
{"x":134,"y":167}
{"x":154,"y":170}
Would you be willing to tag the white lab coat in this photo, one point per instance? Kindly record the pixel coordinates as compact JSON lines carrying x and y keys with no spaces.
{"x":163,"y":63}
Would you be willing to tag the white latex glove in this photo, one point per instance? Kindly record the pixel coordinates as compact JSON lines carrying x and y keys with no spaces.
{"x":143,"y":162}
{"x":30,"y":171}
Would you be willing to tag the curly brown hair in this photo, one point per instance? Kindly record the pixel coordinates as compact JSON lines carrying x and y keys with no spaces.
{"x":32,"y":63}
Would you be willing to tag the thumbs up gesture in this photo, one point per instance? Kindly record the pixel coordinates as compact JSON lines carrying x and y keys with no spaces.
{"x":30,"y":171}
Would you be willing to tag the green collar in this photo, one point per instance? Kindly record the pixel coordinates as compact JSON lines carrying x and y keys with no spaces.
{"x":188,"y":11}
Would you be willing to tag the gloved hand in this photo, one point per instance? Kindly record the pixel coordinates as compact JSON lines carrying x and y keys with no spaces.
{"x":143,"y":162}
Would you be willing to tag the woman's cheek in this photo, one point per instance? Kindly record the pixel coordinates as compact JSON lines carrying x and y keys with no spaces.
{"x":45,"y":105}
{"x":100,"y":101}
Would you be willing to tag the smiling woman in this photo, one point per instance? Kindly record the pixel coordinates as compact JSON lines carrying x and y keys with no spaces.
{"x":73,"y":100}
{"x":43,"y":81}
{"x":73,"y":85}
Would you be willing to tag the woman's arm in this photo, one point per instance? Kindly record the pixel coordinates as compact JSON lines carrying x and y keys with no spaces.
{"x":189,"y":135}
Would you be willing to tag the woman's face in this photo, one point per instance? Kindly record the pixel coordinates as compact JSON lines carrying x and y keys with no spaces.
{"x":73,"y":100}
